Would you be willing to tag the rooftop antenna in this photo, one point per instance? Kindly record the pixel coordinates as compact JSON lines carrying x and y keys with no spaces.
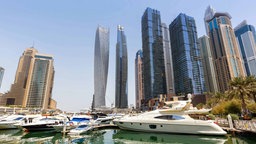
{"x":33,"y":44}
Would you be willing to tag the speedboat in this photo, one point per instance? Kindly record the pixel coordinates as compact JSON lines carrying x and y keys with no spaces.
{"x":41,"y":124}
{"x":73,"y":123}
{"x":10,"y":122}
{"x":81,"y":129}
{"x":174,"y":119}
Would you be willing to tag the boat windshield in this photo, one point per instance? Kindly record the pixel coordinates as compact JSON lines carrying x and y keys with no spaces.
{"x":79,"y":119}
{"x":82,"y":126}
{"x":170,"y":117}
{"x":18,"y":118}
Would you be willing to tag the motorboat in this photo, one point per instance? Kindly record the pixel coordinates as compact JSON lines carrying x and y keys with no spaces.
{"x":103,"y":120}
{"x":41,"y":124}
{"x":81,"y":129}
{"x":174,"y":119}
{"x":73,"y":123}
{"x":10,"y":121}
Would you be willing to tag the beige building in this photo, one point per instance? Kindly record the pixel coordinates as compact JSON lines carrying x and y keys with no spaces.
{"x":33,"y":81}
{"x":139,"y":79}
{"x":224,"y":48}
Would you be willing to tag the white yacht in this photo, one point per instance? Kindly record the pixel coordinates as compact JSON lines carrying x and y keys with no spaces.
{"x":174,"y":119}
{"x":75,"y":121}
{"x":10,"y":122}
{"x":81,"y":129}
{"x":41,"y":124}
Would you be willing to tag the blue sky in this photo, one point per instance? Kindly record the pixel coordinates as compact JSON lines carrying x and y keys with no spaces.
{"x":66,"y":29}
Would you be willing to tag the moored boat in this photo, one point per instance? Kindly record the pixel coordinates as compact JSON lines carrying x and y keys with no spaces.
{"x":171,"y":120}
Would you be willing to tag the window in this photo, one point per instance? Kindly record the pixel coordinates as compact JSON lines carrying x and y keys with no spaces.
{"x":170,"y":117}
{"x":152,"y":126}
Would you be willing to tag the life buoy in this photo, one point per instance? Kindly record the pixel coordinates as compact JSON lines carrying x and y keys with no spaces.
{"x":71,"y":123}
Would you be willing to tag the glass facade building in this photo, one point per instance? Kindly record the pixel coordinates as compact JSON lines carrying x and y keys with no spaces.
{"x":153,"y":57}
{"x":41,"y":82}
{"x":225,"y":52}
{"x":187,"y":65}
{"x":246,"y":37}
{"x":33,"y":82}
{"x":207,"y":62}
{"x":101,"y":58}
{"x":139,"y":86}
{"x":1,"y":75}
{"x":168,"y":60}
{"x":121,"y":100}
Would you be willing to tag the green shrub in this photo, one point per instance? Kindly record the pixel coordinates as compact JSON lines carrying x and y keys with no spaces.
{"x":211,"y":116}
{"x":234,"y":116}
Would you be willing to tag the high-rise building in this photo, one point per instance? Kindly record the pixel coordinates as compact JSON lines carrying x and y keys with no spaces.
{"x":225,"y":53}
{"x":168,"y":60}
{"x":209,"y":13}
{"x":153,"y":57}
{"x":40,"y":84}
{"x":33,"y":82}
{"x":139,"y":88}
{"x":187,"y":65}
{"x":246,"y":38}
{"x":101,"y":58}
{"x":1,"y":75}
{"x":207,"y":62}
{"x":121,"y":100}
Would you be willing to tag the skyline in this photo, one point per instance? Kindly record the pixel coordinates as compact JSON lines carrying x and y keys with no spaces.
{"x":66,"y":30}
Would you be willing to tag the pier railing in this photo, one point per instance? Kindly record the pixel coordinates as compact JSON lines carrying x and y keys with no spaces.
{"x":244,"y":125}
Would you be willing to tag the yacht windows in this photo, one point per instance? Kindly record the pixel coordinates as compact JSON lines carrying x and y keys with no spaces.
{"x":152,"y":126}
{"x":170,"y":117}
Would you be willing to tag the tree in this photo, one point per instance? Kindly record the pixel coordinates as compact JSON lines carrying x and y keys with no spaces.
{"x":240,"y":87}
{"x":215,"y":98}
{"x":251,"y":81}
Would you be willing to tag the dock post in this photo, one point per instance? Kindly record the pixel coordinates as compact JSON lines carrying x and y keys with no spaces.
{"x":231,"y":126}
{"x":64,"y":128}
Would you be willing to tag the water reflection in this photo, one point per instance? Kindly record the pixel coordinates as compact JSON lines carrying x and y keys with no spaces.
{"x":122,"y":136}
{"x":115,"y":137}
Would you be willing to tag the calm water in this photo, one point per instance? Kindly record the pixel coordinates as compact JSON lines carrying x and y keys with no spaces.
{"x":115,"y":137}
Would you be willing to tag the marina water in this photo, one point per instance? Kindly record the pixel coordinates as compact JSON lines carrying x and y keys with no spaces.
{"x":115,"y":136}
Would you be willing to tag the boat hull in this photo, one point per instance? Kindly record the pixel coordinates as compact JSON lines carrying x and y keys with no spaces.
{"x":38,"y":127}
{"x":181,"y":128}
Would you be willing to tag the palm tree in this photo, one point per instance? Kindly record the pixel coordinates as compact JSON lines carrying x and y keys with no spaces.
{"x":251,"y":81}
{"x":240,"y":88}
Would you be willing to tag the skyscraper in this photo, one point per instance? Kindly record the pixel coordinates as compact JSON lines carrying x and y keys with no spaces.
{"x":1,"y":75}
{"x":139,"y":86}
{"x":224,"y":48}
{"x":246,"y":38}
{"x":121,"y":100}
{"x":40,"y":83}
{"x":187,"y":65}
{"x":33,"y":82}
{"x":101,"y":57}
{"x":207,"y":62}
{"x":168,"y":60}
{"x":153,"y":57}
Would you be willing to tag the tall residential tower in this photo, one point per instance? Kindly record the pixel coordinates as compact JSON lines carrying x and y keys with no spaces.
{"x":121,"y":100}
{"x":207,"y":62}
{"x":1,"y":75}
{"x":225,"y":53}
{"x":246,"y":38}
{"x":139,"y":86}
{"x":187,"y":65}
{"x":33,"y":82}
{"x":168,"y":60}
{"x":153,"y":56}
{"x":101,"y":57}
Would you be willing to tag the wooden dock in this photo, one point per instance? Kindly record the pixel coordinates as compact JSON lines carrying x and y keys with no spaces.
{"x":240,"y":126}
